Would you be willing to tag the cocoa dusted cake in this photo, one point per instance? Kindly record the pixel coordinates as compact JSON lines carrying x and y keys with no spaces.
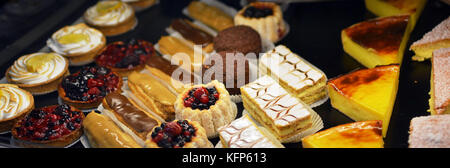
{"x":242,"y":39}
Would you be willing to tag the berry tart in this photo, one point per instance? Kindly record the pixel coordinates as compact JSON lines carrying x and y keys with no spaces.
{"x":124,"y":58}
{"x":86,"y":88}
{"x":51,"y":126}
{"x":264,"y":17}
{"x":209,"y":104}
{"x":178,"y":134}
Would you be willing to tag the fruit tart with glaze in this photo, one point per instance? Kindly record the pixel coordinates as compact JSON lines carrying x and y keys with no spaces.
{"x":51,"y":126}
{"x":86,"y":88}
{"x":178,"y":134}
{"x":125,"y":57}
{"x":209,"y":104}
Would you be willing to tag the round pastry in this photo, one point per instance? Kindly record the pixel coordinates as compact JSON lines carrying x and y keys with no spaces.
{"x":51,"y":126}
{"x":79,"y":43}
{"x":264,"y":17}
{"x":86,"y":88}
{"x":38,"y":73}
{"x":209,"y":104}
{"x":178,"y":134}
{"x":111,"y":17}
{"x":125,"y":58}
{"x":14,"y":104}
{"x":140,"y":4}
{"x":238,"y":38}
{"x":240,"y":77}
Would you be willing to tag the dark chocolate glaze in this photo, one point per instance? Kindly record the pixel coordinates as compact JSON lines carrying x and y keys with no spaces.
{"x":134,"y":117}
{"x":191,"y":33}
{"x":384,"y":35}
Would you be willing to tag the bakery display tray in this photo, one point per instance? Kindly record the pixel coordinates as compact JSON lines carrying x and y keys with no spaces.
{"x":315,"y":30}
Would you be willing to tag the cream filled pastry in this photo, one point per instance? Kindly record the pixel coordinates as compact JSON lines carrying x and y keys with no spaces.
{"x":38,"y":73}
{"x":80,"y":43}
{"x":111,"y":17}
{"x":14,"y":102}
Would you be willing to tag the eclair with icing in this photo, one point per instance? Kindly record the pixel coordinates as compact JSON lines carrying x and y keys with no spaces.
{"x":128,"y":117}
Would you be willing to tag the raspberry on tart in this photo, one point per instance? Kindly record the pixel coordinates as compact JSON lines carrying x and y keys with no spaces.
{"x":55,"y":126}
{"x":209,"y":104}
{"x":178,"y":134}
{"x":124,"y":58}
{"x":86,"y":88}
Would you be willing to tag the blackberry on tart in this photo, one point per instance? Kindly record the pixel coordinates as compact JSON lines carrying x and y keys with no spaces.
{"x":209,"y":104}
{"x":125,"y":57}
{"x":51,"y":126}
{"x":178,"y":134}
{"x":86,"y":88}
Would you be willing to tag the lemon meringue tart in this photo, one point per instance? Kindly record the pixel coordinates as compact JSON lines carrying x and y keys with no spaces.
{"x":209,"y":104}
{"x":111,"y":17}
{"x":15,"y":103}
{"x":38,"y":73}
{"x":79,"y":43}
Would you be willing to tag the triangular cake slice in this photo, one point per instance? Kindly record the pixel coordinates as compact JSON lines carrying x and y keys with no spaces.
{"x":379,"y":41}
{"x":396,"y":7}
{"x":363,"y":134}
{"x":430,"y":132}
{"x":437,"y":38}
{"x":440,"y":82}
{"x":366,"y":94}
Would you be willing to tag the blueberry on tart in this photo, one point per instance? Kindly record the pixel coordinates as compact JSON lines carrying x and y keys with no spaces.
{"x":53,"y":126}
{"x":124,"y":58}
{"x":178,"y":134}
{"x":209,"y":104}
{"x":86,"y":88}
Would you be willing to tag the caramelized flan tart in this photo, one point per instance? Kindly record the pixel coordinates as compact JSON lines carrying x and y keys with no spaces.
{"x":440,"y":82}
{"x":295,"y":75}
{"x":380,"y":41}
{"x":397,"y":7}
{"x":366,"y":94}
{"x":102,"y":132}
{"x":209,"y":104}
{"x":178,"y":134}
{"x":362,"y":134}
{"x":244,"y":133}
{"x":436,"y":39}
{"x":272,"y":106}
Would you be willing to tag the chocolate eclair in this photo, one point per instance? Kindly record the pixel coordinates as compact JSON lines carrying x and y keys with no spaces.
{"x":193,"y":33}
{"x":129,"y":118}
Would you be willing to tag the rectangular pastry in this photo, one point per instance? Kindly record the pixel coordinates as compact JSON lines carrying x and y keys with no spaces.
{"x":269,"y":104}
{"x":440,"y":82}
{"x":430,"y":132}
{"x":296,"y":75}
{"x":244,"y":133}
{"x":181,"y":50}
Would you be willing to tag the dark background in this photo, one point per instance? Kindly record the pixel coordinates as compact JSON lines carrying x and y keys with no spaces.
{"x":314,"y":34}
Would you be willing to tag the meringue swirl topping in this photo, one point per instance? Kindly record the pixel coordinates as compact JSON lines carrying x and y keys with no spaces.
{"x":108,"y":13}
{"x":37,"y":68}
{"x":13,"y":101}
{"x":77,"y":39}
